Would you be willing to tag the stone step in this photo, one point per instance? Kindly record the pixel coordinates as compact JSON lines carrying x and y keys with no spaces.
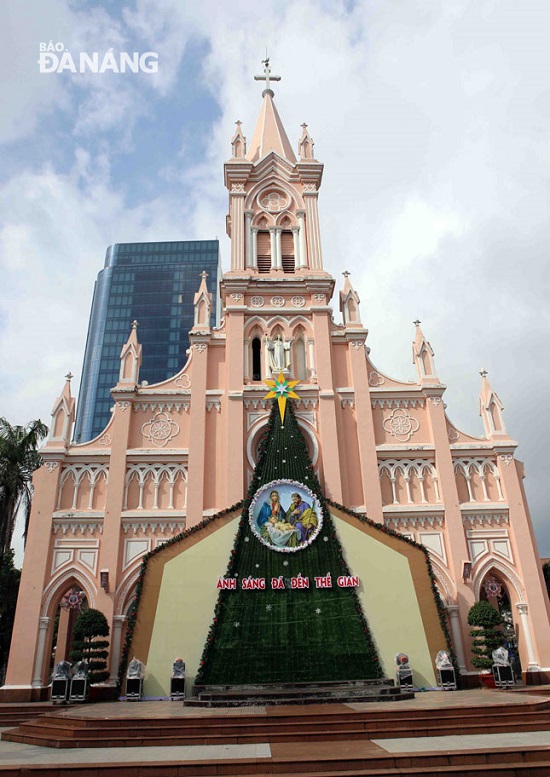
{"x":379,"y":682}
{"x":373,"y":721}
{"x":61,"y":738}
{"x":500,"y":762}
{"x":254,"y":700}
{"x":13,"y":714}
{"x":296,"y":693}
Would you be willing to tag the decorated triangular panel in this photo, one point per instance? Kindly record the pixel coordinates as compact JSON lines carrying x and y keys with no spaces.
{"x":287,"y":610}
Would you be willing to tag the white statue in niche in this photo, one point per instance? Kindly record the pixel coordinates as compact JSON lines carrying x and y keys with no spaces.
{"x":279,"y":353}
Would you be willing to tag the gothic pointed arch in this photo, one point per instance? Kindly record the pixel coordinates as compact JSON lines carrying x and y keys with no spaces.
{"x":274,"y":181}
{"x":504,"y":571}
{"x":126,"y":590}
{"x":60,"y":584}
{"x":299,"y":353}
{"x":444,"y":581}
{"x":257,"y":429}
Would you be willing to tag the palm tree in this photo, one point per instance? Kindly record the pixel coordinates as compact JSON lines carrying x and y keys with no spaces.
{"x":18,"y":460}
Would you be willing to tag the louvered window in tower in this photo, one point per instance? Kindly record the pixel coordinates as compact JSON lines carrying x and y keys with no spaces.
{"x":287,"y":251}
{"x":264,"y":252}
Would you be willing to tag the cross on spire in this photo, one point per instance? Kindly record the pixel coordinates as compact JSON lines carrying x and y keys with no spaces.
{"x":203,"y":275}
{"x":69,"y":376}
{"x":267,"y":77}
{"x":483,"y":373}
{"x":346,"y":273}
{"x":417,"y":322}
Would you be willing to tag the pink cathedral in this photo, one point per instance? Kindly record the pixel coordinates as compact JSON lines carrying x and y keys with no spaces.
{"x":183,"y":449}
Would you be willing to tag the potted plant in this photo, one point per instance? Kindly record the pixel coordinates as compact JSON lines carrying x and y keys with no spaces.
{"x":486,"y":636}
{"x":88,"y":646}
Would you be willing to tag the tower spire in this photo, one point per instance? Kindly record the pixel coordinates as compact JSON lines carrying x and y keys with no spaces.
{"x":202,"y":302}
{"x":130,"y":359}
{"x":349,"y":303}
{"x":63,"y":415}
{"x":423,"y":356}
{"x":490,"y":408}
{"x":269,"y":134}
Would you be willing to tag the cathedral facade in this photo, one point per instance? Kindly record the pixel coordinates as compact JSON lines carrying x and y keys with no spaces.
{"x":176,"y":452}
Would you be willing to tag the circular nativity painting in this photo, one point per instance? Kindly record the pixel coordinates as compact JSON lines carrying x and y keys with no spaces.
{"x":285,"y":515}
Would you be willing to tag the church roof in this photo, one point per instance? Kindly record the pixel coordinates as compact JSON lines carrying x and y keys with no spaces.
{"x":269,"y":134}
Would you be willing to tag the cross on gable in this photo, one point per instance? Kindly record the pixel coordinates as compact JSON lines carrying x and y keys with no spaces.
{"x":267,"y":77}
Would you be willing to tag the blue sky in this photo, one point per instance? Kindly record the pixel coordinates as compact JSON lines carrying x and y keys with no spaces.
{"x":432,"y":119}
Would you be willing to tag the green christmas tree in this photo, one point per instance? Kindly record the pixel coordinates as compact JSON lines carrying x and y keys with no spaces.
{"x":287,"y":634}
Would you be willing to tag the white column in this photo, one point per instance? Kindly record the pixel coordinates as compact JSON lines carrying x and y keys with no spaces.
{"x":302,"y":237}
{"x":40,"y":646}
{"x":273,"y":239}
{"x":278,"y":250}
{"x":266,"y":356}
{"x":452,"y":609}
{"x":296,"y":239}
{"x":254,"y":249}
{"x":523,"y":610}
{"x":469,"y":484}
{"x":313,"y":232}
{"x":311,"y":353}
{"x":118,"y":623}
{"x":237,"y":229}
{"x":248,"y":238}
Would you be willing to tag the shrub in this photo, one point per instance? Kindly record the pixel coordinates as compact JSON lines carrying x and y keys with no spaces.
{"x":486,"y":634}
{"x":90,"y":625}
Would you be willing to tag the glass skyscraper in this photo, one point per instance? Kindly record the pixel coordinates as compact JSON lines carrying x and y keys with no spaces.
{"x":153,"y":283}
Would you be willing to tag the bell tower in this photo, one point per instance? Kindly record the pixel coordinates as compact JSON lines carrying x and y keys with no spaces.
{"x":273,"y":219}
{"x":276,"y":294}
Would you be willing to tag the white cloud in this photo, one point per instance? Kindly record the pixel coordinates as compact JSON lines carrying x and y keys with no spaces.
{"x":432,"y":119}
{"x":26,"y":94}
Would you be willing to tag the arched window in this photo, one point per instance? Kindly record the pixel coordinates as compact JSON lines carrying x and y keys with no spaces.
{"x":300,"y":369}
{"x":494,"y":590}
{"x":71,"y":603}
{"x":256,"y":359}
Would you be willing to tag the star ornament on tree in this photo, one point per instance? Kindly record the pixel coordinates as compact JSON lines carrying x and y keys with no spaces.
{"x":281,"y":390}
